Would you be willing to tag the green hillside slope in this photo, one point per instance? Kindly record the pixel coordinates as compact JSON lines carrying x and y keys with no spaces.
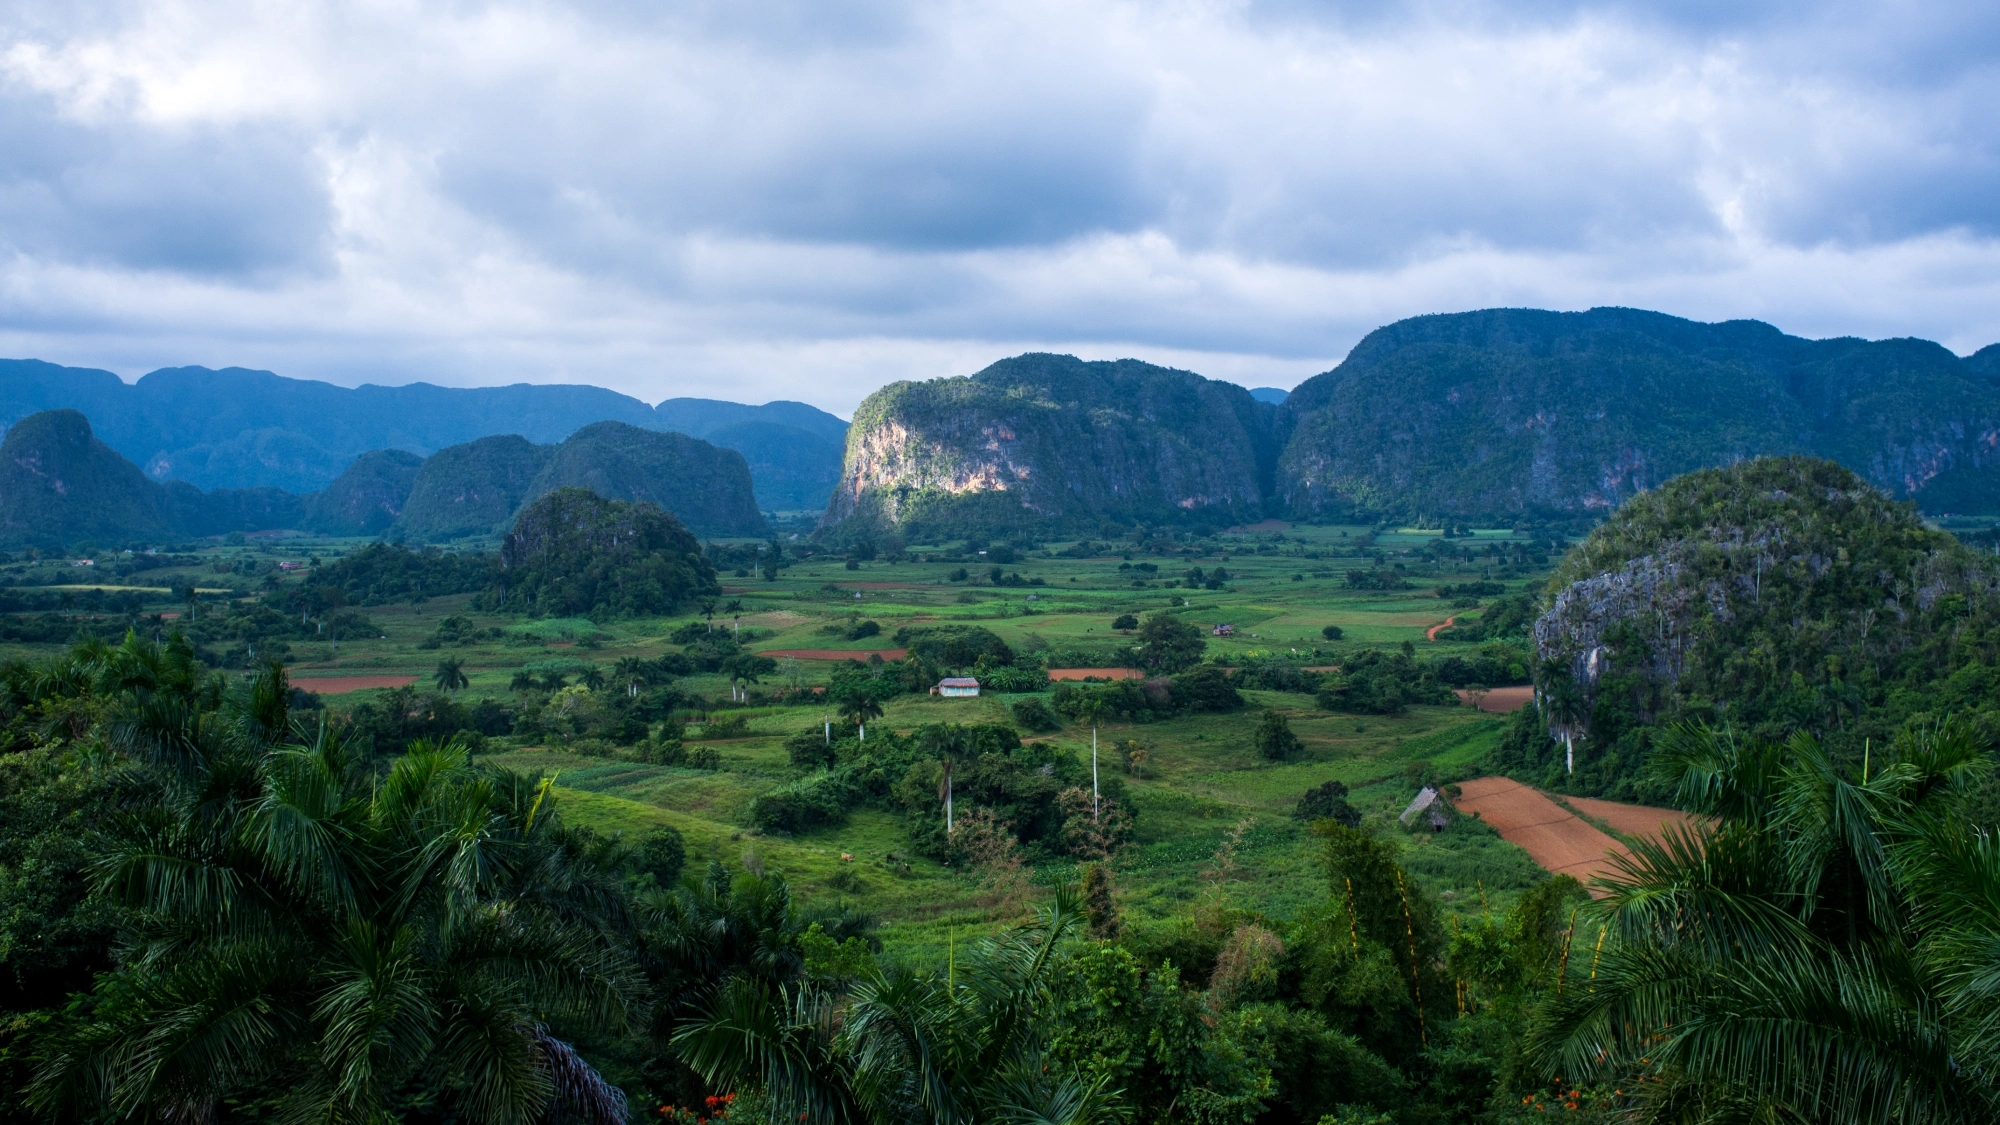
{"x":705,"y":487}
{"x":59,"y":484}
{"x":1510,"y":412}
{"x":1050,"y":440}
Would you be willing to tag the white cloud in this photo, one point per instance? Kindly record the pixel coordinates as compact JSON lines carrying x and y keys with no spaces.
{"x":805,"y":200}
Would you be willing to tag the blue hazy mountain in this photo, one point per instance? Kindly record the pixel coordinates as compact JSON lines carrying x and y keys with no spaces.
{"x":236,"y":428}
{"x":1272,"y":395}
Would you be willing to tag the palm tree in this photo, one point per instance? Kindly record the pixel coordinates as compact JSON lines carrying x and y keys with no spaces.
{"x":633,"y":672}
{"x":592,"y":677}
{"x":858,"y":709}
{"x":959,"y":1047}
{"x":310,"y":936}
{"x":1093,"y":707}
{"x":1823,"y":946}
{"x":450,"y":675}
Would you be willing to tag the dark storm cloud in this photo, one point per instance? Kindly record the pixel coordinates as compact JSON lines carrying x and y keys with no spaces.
{"x":810,"y":198}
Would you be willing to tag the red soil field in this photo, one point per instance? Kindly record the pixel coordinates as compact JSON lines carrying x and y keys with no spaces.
{"x":1096,"y":673}
{"x":1501,"y":700}
{"x":836,"y":653}
{"x":341,"y":685}
{"x":1631,"y":820}
{"x":1553,"y":837}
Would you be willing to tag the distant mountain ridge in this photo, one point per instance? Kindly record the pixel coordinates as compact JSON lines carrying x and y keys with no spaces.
{"x":1499,"y":415}
{"x":60,"y":485}
{"x":1514,"y":412}
{"x":239,"y":428}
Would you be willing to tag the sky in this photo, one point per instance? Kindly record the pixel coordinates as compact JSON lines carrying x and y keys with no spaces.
{"x":807,"y":199}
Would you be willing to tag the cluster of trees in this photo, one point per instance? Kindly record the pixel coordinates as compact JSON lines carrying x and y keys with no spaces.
{"x":1031,"y":801}
{"x":572,"y":553}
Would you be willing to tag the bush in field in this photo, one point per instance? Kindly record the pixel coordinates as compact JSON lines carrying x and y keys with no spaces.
{"x":1274,"y":739}
{"x":1327,"y":802}
{"x":1034,"y":715}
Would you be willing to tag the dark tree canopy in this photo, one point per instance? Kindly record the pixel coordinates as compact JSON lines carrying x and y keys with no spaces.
{"x":573,"y":553}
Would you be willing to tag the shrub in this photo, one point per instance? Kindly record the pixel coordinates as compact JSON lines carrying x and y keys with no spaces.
{"x":661,"y":854}
{"x":1274,"y":739}
{"x":1327,"y":802}
{"x":1032,"y":714}
{"x":1333,"y":632}
{"x":1206,"y":687}
{"x":1012,"y":680}
{"x":1125,"y":621}
{"x":811,"y":802}
{"x":809,"y":749}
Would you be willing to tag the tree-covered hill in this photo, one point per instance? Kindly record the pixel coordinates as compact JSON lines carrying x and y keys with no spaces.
{"x":1047,"y":440}
{"x":1774,"y":596}
{"x":573,"y":553}
{"x":706,"y":487}
{"x":59,"y":484}
{"x":471,"y":488}
{"x":368,"y":496}
{"x":1509,"y":412}
{"x":479,"y":486}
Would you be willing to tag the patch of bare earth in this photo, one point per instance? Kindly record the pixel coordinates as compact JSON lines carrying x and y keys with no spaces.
{"x":836,"y":653}
{"x":1501,"y":700}
{"x":1631,"y":820}
{"x":1553,"y":836}
{"x":1096,"y":674}
{"x":341,"y":685}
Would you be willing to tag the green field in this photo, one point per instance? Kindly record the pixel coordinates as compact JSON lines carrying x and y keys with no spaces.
{"x":1203,"y":786}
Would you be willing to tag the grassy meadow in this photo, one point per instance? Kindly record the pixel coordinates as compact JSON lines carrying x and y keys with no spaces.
{"x":1213,"y":818}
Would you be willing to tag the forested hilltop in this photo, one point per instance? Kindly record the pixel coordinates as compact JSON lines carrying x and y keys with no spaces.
{"x":1509,"y":411}
{"x":1501,"y":417}
{"x":1776,"y":596}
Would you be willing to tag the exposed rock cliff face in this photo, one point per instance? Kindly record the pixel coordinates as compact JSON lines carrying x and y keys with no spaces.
{"x":1729,"y":591}
{"x":1511,"y":412}
{"x":1050,"y":440}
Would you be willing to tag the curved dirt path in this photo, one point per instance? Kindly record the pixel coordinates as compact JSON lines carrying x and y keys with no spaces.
{"x":1445,"y":624}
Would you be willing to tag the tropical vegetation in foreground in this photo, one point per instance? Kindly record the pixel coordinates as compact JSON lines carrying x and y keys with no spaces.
{"x":243,"y":916}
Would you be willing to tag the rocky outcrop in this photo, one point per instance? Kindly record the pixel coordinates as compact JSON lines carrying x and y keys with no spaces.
{"x":1736,"y":583}
{"x":1053,"y":441}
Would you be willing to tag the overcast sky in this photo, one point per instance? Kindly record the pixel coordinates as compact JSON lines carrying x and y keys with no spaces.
{"x":806,"y":199}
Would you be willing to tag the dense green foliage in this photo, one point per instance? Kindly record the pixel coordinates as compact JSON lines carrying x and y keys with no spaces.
{"x":1822,"y":950}
{"x":1776,"y":595}
{"x":573,"y":553}
{"x":1503,"y":413}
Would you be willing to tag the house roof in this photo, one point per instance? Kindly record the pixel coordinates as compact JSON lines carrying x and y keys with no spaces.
{"x":958,"y":681}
